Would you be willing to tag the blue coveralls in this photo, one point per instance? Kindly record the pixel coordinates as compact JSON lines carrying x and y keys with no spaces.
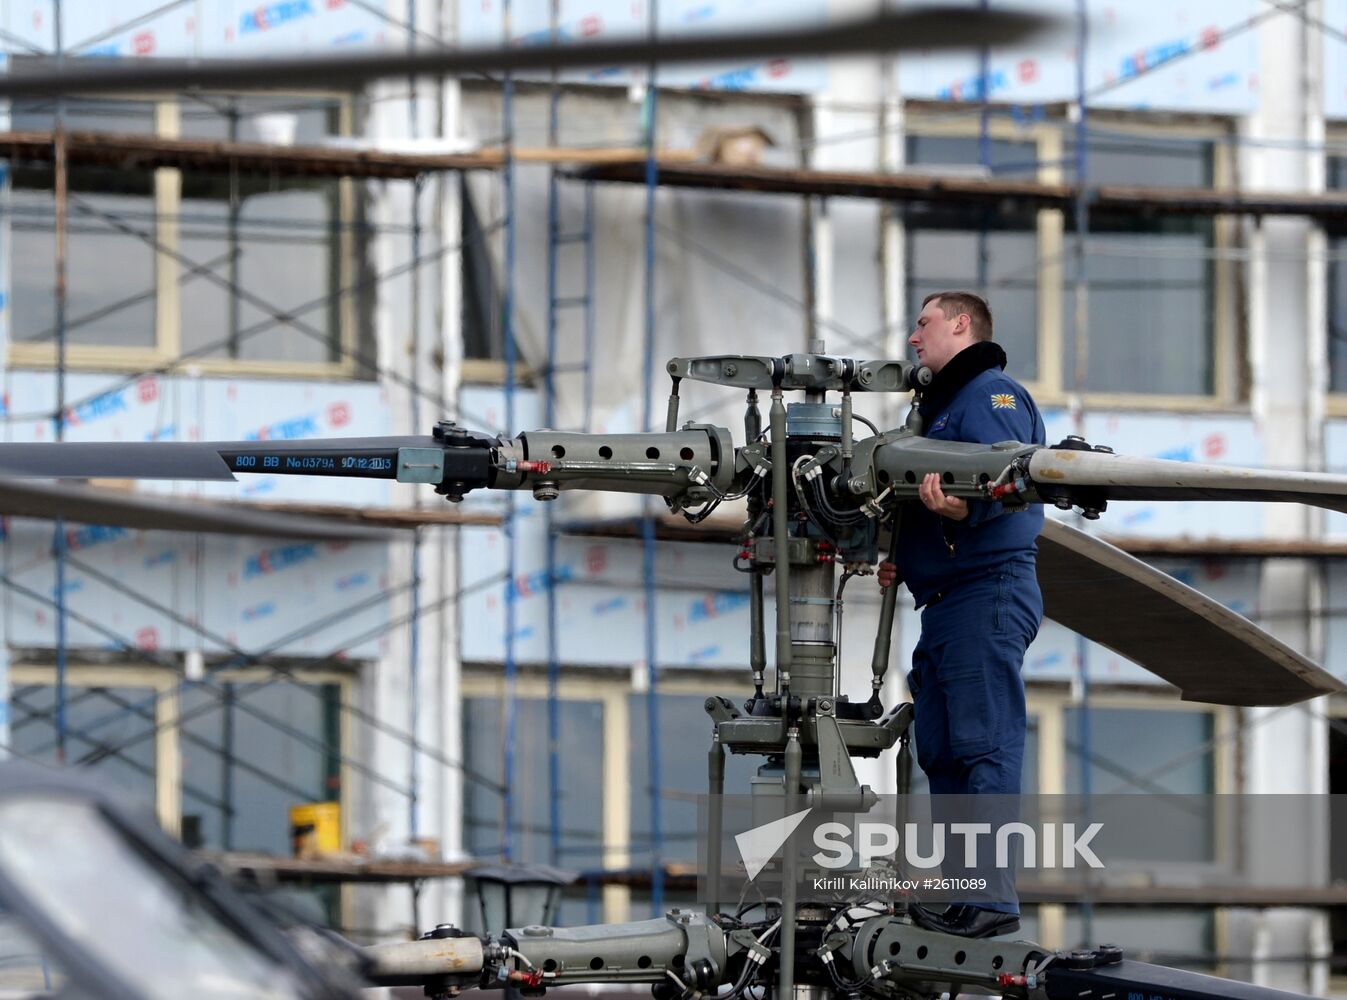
{"x":975,"y":581}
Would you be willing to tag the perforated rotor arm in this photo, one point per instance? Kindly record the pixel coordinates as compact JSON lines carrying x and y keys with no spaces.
{"x":682,"y":945}
{"x":682,"y":948}
{"x":893,"y":465}
{"x":690,"y":466}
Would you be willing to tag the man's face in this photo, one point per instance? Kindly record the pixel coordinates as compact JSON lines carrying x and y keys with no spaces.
{"x":938,"y":339}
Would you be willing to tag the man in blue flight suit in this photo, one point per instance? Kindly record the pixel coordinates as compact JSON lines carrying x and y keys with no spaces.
{"x":970,"y":566}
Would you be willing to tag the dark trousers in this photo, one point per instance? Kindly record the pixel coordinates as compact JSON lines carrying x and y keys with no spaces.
{"x":969,"y":714}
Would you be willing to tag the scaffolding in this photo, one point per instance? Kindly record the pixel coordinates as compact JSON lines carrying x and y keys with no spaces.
{"x":570,"y":168}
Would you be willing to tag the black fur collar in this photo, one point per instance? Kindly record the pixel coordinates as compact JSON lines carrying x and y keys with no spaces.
{"x":961,"y":369}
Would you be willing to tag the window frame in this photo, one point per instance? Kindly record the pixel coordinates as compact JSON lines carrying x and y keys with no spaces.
{"x":1054,"y":241}
{"x":1049,"y":702}
{"x":166,"y":684}
{"x":612,"y":689}
{"x":166,"y":354}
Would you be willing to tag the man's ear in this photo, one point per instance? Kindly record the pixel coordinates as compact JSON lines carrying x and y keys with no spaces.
{"x":963,"y":323}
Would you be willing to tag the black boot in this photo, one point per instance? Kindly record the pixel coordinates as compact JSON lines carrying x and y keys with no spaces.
{"x":924,"y":916}
{"x":972,"y":922}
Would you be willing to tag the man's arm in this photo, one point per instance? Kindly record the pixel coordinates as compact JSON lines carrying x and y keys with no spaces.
{"x":999,"y":411}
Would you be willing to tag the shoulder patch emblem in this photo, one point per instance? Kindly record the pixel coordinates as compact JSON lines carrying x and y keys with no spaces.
{"x":939,"y":424}
{"x":1003,"y":401}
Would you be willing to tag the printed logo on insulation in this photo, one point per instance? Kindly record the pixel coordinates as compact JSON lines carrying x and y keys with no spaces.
{"x":92,"y":535}
{"x":287,"y":430}
{"x":274,"y":15}
{"x":716,"y":605}
{"x":972,"y":88}
{"x":537,"y":583}
{"x":608,"y":606}
{"x":100,"y":407}
{"x":278,"y":559}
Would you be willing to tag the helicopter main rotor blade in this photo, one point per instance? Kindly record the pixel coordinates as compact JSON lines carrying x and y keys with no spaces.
{"x":366,"y":458}
{"x":932,"y":27}
{"x":1122,"y":477}
{"x":1210,"y":653}
{"x":92,"y":505}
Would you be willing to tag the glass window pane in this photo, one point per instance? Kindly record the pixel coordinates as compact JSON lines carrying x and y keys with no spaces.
{"x":1001,"y":157}
{"x":304,"y":120}
{"x":38,"y":114}
{"x":1150,"y":299}
{"x":684,"y":739}
{"x":252,"y":750}
{"x":1000,"y":266}
{"x":281,"y":243}
{"x":1337,"y":313}
{"x":282,"y":240}
{"x":580,"y":796}
{"x":1337,"y":284}
{"x":1134,"y":158}
{"x":110,"y":227}
{"x":1134,"y":750}
{"x":1164,"y":755}
{"x":1181,"y":938}
{"x":109,"y":260}
{"x":991,"y":252}
{"x":483,"y":333}
{"x":1150,"y":282}
{"x":108,"y":730}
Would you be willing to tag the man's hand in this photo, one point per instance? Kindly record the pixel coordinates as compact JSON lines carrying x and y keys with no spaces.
{"x":934,"y":498}
{"x":886,"y":574}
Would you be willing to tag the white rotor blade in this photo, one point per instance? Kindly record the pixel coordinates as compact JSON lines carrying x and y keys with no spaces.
{"x":1123,"y":477}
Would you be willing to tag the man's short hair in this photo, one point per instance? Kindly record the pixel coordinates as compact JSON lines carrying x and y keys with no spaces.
{"x":975,"y":306}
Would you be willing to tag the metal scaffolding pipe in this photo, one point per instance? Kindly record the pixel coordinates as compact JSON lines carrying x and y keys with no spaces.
{"x":651,"y":109}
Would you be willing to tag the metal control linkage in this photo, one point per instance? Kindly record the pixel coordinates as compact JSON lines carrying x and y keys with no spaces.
{"x":802,"y":372}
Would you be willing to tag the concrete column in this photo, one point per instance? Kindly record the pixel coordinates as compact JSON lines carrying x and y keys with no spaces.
{"x":1285,"y":750}
{"x":383,"y":813}
{"x":418,"y":338}
{"x":449,"y":335}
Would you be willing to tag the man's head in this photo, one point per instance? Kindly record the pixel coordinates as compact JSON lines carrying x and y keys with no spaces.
{"x":948,"y":323}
